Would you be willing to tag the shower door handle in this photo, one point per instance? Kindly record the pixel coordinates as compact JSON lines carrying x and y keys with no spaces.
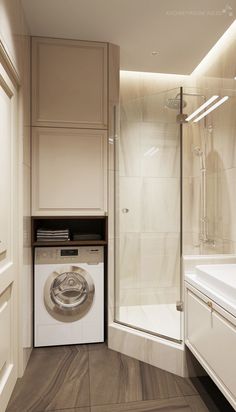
{"x":115,"y":119}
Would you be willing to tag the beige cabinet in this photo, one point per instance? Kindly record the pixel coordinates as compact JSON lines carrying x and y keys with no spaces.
{"x":69,"y":83}
{"x":75,"y":85}
{"x":69,"y":171}
{"x":211,"y":336}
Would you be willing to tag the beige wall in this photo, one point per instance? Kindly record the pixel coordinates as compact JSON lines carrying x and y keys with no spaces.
{"x":15,"y":40}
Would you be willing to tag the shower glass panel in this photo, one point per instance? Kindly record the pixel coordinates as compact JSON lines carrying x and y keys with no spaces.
{"x":148,"y":215}
{"x":209,"y":172}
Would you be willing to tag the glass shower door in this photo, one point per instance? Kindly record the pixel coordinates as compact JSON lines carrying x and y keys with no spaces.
{"x":148,"y":215}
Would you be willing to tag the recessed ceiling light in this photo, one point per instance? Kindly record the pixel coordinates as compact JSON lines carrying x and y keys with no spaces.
{"x":155,"y":53}
{"x":234,"y":77}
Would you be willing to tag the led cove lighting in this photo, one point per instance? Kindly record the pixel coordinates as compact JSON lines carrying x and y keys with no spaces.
{"x":203,"y":106}
{"x":211,"y":108}
{"x":210,"y":59}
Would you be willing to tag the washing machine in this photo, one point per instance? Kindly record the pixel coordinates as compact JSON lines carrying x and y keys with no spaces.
{"x":68,"y":295}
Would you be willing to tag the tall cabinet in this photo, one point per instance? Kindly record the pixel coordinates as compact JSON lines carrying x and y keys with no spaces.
{"x":75,"y":85}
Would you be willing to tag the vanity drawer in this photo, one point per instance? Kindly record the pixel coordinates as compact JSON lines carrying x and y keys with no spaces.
{"x":212,"y":337}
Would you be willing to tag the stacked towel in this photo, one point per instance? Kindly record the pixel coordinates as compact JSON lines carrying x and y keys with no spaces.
{"x":45,"y":235}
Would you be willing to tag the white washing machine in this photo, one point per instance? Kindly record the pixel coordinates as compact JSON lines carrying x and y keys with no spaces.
{"x":68,"y":295}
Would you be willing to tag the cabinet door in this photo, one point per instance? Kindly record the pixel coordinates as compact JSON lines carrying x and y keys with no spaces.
{"x":212,"y":338}
{"x":69,"y":171}
{"x":69,"y":83}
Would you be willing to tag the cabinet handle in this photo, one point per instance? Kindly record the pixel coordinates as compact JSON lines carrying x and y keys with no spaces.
{"x":210,"y":304}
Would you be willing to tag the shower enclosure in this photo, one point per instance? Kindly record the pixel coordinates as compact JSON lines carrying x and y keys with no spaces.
{"x":148,"y":198}
{"x":173,"y":186}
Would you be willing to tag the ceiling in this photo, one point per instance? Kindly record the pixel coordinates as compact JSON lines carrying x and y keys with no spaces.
{"x":181,"y":31}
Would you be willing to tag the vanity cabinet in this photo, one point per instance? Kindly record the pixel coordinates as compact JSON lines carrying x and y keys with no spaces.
{"x":211,"y":336}
{"x":69,"y":83}
{"x":69,"y":171}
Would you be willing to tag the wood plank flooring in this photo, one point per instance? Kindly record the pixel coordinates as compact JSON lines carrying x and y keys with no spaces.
{"x":92,"y":378}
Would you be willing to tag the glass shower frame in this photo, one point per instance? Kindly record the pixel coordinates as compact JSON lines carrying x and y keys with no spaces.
{"x":179,"y":302}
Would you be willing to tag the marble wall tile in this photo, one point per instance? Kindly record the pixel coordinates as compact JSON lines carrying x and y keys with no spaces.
{"x":155,"y":107}
{"x":228,"y":203}
{"x":132,"y":111}
{"x":164,"y":140}
{"x":222,"y":137}
{"x":160,"y":205}
{"x":214,"y":204}
{"x":131,"y":85}
{"x":191,"y":243}
{"x":157,"y":83}
{"x":149,"y":260}
{"x":192,"y":138}
{"x":130,"y":154}
{"x":191,"y":204}
{"x":136,"y":84}
{"x":159,"y":295}
{"x":136,"y":144}
{"x":228,"y":247}
{"x":129,"y":260}
{"x":149,"y":296}
{"x":160,"y":260}
{"x":129,"y":297}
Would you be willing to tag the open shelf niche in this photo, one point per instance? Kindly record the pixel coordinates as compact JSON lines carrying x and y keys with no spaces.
{"x":82,"y":225}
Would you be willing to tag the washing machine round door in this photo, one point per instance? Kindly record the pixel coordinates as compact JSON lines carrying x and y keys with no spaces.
{"x":69,"y":293}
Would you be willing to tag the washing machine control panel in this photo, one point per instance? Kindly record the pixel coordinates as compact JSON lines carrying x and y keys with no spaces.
{"x":81,"y":254}
{"x":69,"y":252}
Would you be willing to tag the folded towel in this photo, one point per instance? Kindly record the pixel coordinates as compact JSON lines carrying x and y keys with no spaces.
{"x":44,"y":235}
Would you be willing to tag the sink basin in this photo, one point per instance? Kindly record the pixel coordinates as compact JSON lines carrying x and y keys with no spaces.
{"x":221,"y":278}
{"x":218,"y":282}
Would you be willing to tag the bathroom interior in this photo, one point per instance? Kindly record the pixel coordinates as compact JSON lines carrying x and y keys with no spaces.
{"x":136,"y":168}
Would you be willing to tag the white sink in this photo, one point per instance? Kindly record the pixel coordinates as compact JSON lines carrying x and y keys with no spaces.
{"x":222,"y":278}
{"x":218,"y":282}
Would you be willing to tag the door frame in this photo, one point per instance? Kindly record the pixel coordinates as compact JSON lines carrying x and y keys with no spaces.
{"x":10,"y":269}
